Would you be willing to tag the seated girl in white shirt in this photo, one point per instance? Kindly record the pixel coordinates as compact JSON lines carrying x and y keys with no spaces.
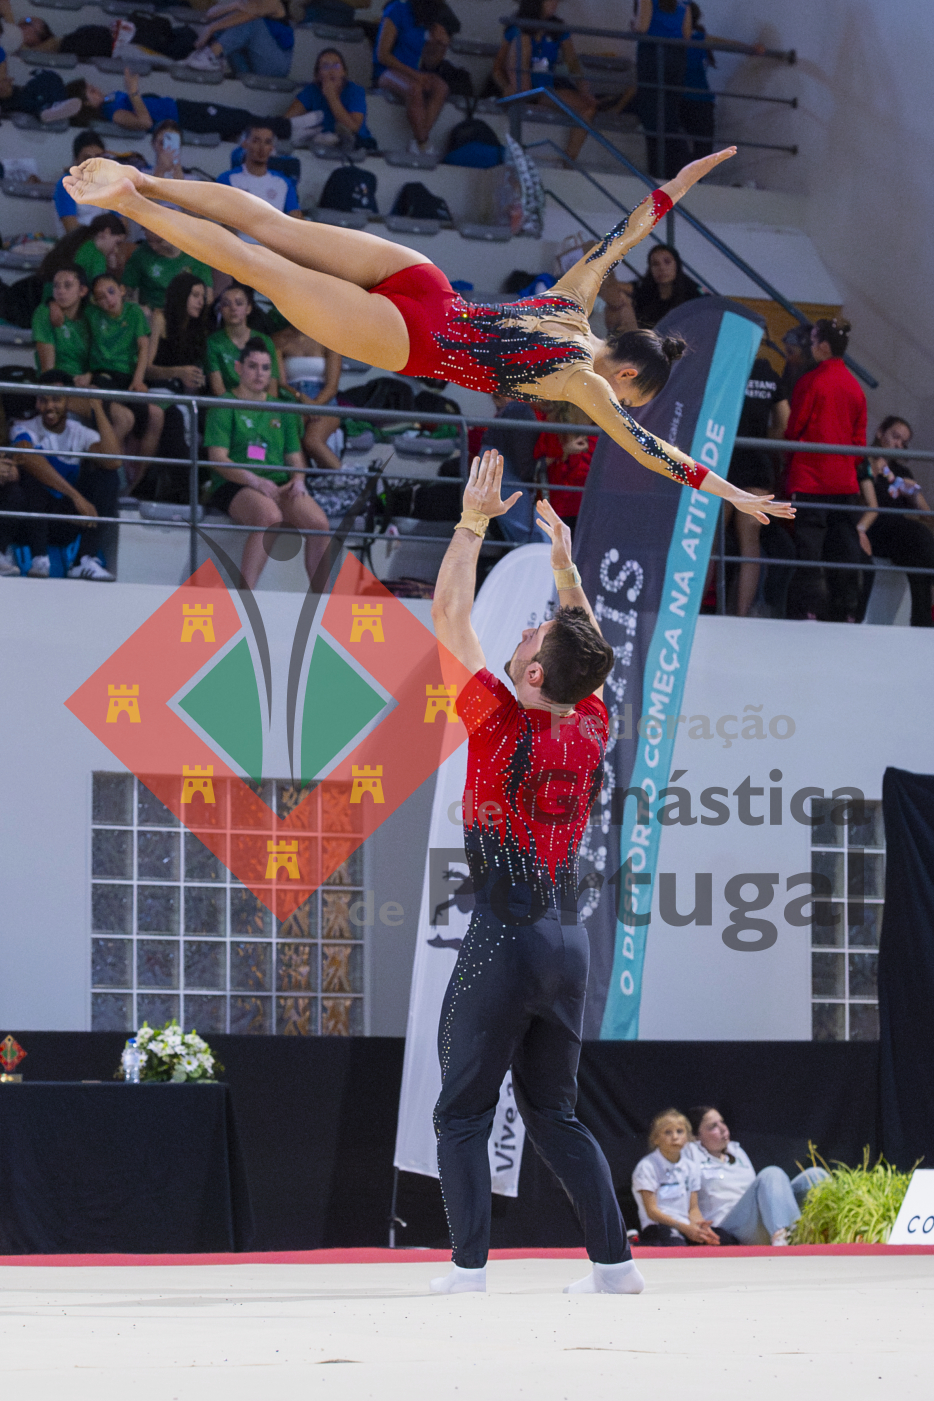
{"x":756,"y":1208}
{"x":665,"y":1186}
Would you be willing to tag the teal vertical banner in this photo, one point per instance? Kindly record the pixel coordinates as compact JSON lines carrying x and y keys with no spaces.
{"x":665,"y":668}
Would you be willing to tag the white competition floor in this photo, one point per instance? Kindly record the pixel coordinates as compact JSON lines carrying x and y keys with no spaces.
{"x":775,"y":1325}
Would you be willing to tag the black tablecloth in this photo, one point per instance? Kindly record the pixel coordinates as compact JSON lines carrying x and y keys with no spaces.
{"x":116,"y":1168}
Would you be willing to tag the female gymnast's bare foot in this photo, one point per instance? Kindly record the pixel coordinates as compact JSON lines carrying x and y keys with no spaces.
{"x":696,"y":170}
{"x":102,"y":182}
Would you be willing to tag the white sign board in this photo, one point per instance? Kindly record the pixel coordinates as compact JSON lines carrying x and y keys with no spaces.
{"x":914,"y":1224}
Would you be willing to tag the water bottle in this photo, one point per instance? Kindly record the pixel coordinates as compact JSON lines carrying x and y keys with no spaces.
{"x":130,"y":1060}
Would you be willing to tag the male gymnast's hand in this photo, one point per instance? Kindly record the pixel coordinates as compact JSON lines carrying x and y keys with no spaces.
{"x":482,"y":490}
{"x":558,"y":533}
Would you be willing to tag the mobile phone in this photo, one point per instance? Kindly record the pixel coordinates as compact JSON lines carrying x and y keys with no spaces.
{"x":171,"y":141}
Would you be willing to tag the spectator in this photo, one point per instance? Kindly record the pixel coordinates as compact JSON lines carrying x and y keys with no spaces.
{"x":179,"y":336}
{"x":827,"y":406}
{"x":59,"y":483}
{"x":753,"y":1207}
{"x":119,"y":357}
{"x":225,"y":346}
{"x":312,"y":373}
{"x":796,"y":344}
{"x":256,"y":178}
{"x":530,"y":59}
{"x":152,"y":266}
{"x":331,"y":107}
{"x":905,"y":540}
{"x":696,"y":108}
{"x":518,"y":452}
{"x":406,"y":27}
{"x":253,"y":36}
{"x":664,"y":286}
{"x":43,"y":96}
{"x":268,"y":496}
{"x":86,"y":145}
{"x":152,"y":33}
{"x":64,"y":344}
{"x":12,"y":532}
{"x":663,"y":19}
{"x":568,"y":457}
{"x":754,"y":469}
{"x":91,"y":247}
{"x":136,"y":112}
{"x":665,"y":1186}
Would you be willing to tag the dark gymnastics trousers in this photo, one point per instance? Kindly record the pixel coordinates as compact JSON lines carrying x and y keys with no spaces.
{"x":516,"y":997}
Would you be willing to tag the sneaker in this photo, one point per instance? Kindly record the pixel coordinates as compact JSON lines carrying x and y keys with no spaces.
{"x":9,"y":569}
{"x":206,"y":60}
{"x":61,"y":111}
{"x":40,"y":568}
{"x":91,"y":568}
{"x":414,"y":148}
{"x":781,"y":1236}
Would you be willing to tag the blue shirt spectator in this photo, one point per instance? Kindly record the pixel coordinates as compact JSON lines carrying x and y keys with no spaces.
{"x":256,"y":178}
{"x":410,"y":36}
{"x":331,"y":105}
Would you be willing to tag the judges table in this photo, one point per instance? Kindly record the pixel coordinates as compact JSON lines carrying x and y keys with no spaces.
{"x":117,"y":1168}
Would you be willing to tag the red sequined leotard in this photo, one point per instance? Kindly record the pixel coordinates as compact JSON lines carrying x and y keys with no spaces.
{"x":497,"y":348}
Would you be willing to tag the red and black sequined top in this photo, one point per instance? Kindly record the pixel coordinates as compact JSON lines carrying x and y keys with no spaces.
{"x":532,"y":779}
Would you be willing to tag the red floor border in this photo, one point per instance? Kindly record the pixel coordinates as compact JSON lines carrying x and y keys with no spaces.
{"x":379,"y":1256}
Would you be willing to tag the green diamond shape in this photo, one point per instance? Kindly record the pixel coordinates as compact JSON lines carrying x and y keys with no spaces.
{"x":338,"y":703}
{"x":225,"y":703}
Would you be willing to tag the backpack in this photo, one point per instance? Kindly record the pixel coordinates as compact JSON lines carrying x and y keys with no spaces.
{"x":473,"y":143}
{"x":20,"y":299}
{"x":349,"y":188}
{"x":414,"y":201}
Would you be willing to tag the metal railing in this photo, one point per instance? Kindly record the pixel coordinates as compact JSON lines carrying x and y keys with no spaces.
{"x":371,"y":476}
{"x":660,"y":87}
{"x":516,"y":117}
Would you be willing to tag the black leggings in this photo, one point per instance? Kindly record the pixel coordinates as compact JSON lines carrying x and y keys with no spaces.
{"x":907,"y":542}
{"x":516,"y":997}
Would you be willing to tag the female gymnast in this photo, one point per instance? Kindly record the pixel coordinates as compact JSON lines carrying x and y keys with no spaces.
{"x":377,"y":301}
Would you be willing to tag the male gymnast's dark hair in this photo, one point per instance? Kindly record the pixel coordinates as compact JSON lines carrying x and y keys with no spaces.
{"x":651,"y":354}
{"x":835,"y":333}
{"x":574,"y":656}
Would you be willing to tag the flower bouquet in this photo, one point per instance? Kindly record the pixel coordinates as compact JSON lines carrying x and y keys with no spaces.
{"x":168,"y":1053}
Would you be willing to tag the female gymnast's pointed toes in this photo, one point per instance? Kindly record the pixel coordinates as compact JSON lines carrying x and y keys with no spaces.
{"x":460,"y":1281}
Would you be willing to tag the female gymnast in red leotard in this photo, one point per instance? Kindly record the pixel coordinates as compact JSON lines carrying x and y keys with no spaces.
{"x":377,"y":301}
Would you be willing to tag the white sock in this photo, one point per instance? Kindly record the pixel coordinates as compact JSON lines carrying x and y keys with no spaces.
{"x":460,"y":1281}
{"x":609,"y":1279}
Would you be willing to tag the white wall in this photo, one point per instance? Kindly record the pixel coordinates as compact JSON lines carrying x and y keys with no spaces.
{"x":863,"y":81}
{"x":851,"y":691}
{"x":854,"y":694}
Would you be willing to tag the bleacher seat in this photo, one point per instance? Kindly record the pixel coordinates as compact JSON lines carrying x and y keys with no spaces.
{"x":398,"y":223}
{"x":127,"y":7}
{"x":410,"y":160}
{"x":491,"y":233}
{"x":181,"y":73}
{"x":14,"y":335}
{"x":335,"y":33}
{"x":262,"y":82}
{"x":479,"y":48}
{"x":27,"y":122}
{"x":141,"y":66}
{"x":201,"y":138}
{"x":343,"y":218}
{"x":28,"y":189}
{"x":111,"y":129}
{"x":61,"y":5}
{"x":54,"y":60}
{"x":16,"y":262}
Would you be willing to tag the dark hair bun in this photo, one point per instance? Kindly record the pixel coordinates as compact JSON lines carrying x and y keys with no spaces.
{"x":673,"y":347}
